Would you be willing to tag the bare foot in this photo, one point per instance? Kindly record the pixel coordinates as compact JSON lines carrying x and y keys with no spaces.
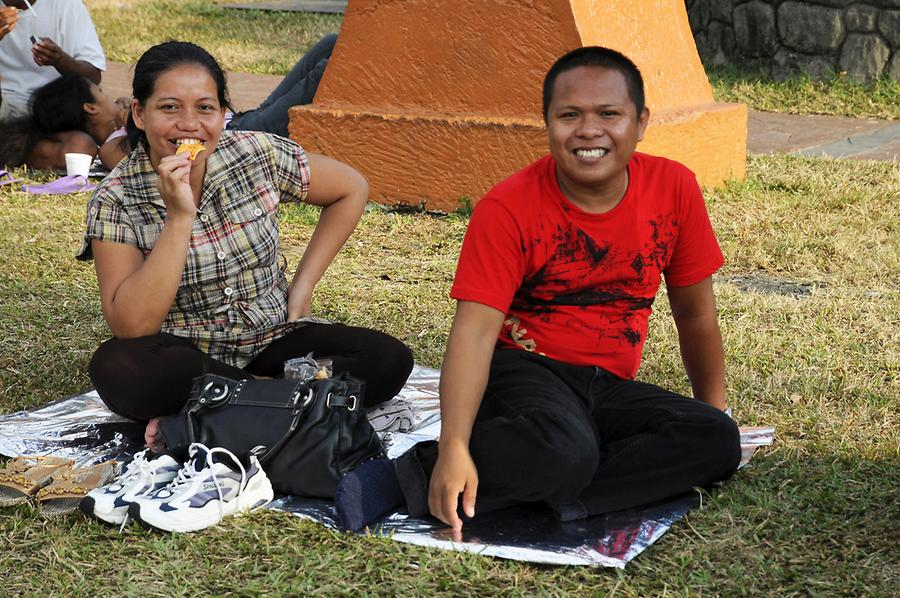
{"x":153,"y":437}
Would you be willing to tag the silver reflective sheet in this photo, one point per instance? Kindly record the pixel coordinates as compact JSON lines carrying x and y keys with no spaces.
{"x":78,"y":427}
{"x":81,"y":428}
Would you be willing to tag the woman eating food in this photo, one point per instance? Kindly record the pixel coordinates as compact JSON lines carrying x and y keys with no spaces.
{"x":184,"y":236}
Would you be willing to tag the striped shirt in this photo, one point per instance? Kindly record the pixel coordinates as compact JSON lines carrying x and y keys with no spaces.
{"x":232,"y":299}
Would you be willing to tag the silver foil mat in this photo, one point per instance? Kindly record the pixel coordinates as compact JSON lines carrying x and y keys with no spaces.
{"x":80,"y":427}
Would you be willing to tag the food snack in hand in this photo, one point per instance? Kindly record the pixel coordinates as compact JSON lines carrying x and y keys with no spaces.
{"x":190,"y":145}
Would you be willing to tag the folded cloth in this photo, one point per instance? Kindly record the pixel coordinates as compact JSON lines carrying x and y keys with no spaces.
{"x":74,"y":183}
{"x":395,"y":415}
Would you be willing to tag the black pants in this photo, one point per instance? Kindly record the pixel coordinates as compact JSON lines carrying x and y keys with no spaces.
{"x":147,"y":377}
{"x":582,"y":440}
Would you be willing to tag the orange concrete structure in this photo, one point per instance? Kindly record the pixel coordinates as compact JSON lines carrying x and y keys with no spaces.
{"x":434,"y":101}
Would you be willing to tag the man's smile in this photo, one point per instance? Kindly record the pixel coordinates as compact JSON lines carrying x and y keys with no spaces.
{"x":595,"y":152}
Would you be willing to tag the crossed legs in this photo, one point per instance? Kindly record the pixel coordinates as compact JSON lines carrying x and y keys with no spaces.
{"x":147,"y":377}
{"x":582,"y":440}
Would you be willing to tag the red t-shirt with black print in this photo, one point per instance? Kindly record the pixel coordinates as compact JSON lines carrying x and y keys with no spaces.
{"x":579,"y":287}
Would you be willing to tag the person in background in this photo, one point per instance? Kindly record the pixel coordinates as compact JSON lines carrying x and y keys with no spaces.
{"x":41,"y":42}
{"x":73,"y":113}
{"x":74,"y":109}
{"x":297,"y":88}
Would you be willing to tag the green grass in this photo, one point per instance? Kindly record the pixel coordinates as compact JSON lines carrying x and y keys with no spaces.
{"x":816,"y":515}
{"x":271,"y":42}
{"x":242,"y":40}
{"x":838,"y":96}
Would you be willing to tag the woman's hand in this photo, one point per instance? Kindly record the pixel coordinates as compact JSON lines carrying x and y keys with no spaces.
{"x":124,"y":105}
{"x":175,"y":186}
{"x":136,"y":290}
{"x":343,"y":193}
{"x":153,"y":437}
{"x":299,"y":301}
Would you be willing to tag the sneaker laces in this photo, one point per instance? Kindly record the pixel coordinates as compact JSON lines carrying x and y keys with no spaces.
{"x":192,"y":468}
{"x":187,"y":472}
{"x":139,"y":469}
{"x":240,"y":465}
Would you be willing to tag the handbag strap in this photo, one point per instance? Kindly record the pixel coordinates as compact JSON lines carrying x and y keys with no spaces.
{"x":350,"y":402}
{"x":337,"y":396}
{"x":300,"y":409}
{"x":214,"y":393}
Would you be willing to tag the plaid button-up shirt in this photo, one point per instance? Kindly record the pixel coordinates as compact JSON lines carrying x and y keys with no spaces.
{"x":232,"y":300}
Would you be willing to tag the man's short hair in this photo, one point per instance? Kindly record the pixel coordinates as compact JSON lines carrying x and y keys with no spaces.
{"x":602,"y":57}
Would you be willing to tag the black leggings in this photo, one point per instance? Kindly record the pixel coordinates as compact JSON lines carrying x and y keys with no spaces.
{"x":150,"y":376}
{"x":582,"y":440}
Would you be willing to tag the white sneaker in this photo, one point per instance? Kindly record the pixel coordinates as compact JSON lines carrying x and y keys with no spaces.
{"x":142,"y":476}
{"x":204,"y":492}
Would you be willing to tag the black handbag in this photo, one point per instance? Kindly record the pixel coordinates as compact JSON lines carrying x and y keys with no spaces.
{"x":306,"y":434}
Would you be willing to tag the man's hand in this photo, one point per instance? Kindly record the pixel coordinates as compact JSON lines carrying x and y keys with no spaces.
{"x":47,"y":53}
{"x":9,"y":16}
{"x":464,"y":376}
{"x":694,"y":311}
{"x":453,"y":474}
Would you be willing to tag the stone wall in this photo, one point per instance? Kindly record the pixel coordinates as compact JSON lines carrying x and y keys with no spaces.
{"x":787,"y":37}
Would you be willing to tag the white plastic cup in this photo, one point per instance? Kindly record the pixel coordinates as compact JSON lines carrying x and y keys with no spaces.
{"x":78,"y":164}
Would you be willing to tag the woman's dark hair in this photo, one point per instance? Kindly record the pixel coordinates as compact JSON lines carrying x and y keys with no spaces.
{"x":59,"y":105}
{"x":161,"y":58}
{"x":602,"y":57}
{"x":17,"y":138}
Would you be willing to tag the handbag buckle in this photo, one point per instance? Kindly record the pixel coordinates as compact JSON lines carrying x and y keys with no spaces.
{"x":339,"y":401}
{"x":218,"y":391}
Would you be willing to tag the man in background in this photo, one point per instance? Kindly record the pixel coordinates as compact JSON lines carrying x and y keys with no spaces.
{"x":41,"y":40}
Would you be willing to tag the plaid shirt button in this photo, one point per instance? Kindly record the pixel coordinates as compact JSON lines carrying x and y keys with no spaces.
{"x":248,"y":172}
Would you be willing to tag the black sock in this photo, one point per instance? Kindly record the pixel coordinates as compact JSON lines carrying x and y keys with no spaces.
{"x":368,"y":493}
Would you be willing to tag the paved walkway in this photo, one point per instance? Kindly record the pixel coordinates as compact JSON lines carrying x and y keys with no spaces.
{"x":327,"y":6}
{"x":838,"y":137}
{"x":247,"y":90}
{"x":815,"y":135}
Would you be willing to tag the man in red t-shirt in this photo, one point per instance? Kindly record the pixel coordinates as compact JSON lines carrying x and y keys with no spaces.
{"x":555,"y":283}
